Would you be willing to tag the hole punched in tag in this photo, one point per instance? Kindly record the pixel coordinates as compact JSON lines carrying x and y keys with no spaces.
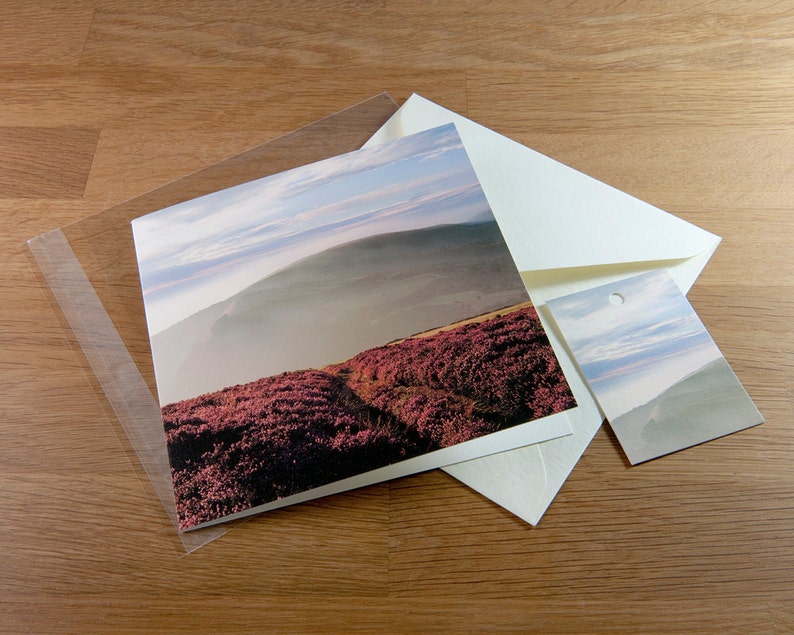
{"x":617,"y":299}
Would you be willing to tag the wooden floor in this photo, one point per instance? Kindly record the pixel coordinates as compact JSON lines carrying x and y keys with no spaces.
{"x":690,"y":108}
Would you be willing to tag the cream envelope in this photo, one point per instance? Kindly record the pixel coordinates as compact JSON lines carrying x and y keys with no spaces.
{"x":567,"y":232}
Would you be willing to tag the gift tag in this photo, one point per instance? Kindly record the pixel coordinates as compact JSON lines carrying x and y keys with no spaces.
{"x":659,"y":377}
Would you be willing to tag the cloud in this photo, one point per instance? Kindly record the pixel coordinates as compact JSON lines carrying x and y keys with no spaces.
{"x":638,"y":347}
{"x":417,"y":181}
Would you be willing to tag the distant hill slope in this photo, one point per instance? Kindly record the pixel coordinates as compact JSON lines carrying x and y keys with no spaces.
{"x":329,"y":306}
{"x":708,"y":403}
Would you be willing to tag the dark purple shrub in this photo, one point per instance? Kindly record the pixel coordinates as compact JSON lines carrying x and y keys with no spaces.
{"x":504,"y":368}
{"x":250,"y":444}
{"x":254,"y":443}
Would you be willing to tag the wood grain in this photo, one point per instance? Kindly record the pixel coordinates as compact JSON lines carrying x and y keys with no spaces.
{"x":37,"y":34}
{"x":688,"y":105}
{"x":45,"y":162}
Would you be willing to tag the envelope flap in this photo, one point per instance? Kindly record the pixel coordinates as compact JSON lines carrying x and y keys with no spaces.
{"x":574,"y":219}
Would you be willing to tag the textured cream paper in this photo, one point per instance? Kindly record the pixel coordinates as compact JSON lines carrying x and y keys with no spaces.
{"x":567,"y":232}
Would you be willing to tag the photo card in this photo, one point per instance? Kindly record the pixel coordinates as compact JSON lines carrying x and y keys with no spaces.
{"x":659,"y":377}
{"x":340,"y":324}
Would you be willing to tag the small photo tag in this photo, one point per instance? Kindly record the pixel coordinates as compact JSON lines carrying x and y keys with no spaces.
{"x":659,"y":377}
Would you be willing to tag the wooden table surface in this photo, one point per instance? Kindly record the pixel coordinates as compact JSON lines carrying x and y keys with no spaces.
{"x":688,"y":105}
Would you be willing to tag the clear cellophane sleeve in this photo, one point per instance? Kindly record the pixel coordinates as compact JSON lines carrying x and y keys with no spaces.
{"x":90,"y":272}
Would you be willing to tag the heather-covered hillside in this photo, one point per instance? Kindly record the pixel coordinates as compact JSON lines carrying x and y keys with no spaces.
{"x":254,"y":443}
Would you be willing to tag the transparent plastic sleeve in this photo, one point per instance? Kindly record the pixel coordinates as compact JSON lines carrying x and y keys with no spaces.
{"x":91,"y":272}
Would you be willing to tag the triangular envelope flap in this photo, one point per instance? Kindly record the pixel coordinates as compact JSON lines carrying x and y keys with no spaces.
{"x":552,"y":283}
{"x":553,"y":216}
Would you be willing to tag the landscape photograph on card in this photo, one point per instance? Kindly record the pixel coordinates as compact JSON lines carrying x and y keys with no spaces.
{"x":658,"y":375}
{"x":339,"y":324}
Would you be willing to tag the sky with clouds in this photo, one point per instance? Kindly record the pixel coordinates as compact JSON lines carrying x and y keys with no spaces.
{"x":202,"y":251}
{"x":632,"y":352}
